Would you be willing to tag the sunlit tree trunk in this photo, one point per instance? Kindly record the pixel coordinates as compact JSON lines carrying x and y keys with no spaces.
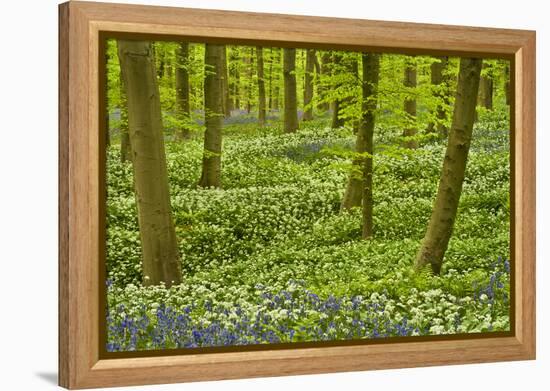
{"x":486,"y":89}
{"x":276,"y":80}
{"x":183,"y":109}
{"x":336,"y":121}
{"x":261,"y":85}
{"x":213,"y":116}
{"x":371,"y":76}
{"x":440,"y":83}
{"x":291,"y":103}
{"x":160,"y":256}
{"x":409,"y":105}
{"x":308,"y":85}
{"x":324,"y":73}
{"x":443,"y":216}
{"x":361,"y":168}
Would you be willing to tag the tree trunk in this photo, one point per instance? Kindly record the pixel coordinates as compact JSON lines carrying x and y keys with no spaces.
{"x":308,"y":85}
{"x":336,"y":121}
{"x":441,"y":223}
{"x":183,"y":109}
{"x":371,"y":76}
{"x":213,"y":116}
{"x":161,"y":260}
{"x":225,"y":85}
{"x":249,"y":61}
{"x":361,"y":168}
{"x":324,"y":72}
{"x":261,"y":85}
{"x":486,"y":89}
{"x":441,"y":92}
{"x":276,"y":81}
{"x":291,"y":103}
{"x":409,"y":106}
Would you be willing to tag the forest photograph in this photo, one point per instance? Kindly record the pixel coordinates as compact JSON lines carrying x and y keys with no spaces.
{"x":272,"y":195}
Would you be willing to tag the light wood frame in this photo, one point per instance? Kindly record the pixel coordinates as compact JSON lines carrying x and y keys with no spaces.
{"x":80,"y":24}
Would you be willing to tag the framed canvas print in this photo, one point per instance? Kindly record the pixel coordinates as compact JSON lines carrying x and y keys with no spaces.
{"x":247,"y":195}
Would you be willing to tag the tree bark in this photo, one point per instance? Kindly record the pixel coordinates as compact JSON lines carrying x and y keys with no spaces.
{"x":324,"y":72}
{"x":276,"y":80}
{"x":336,"y":121}
{"x":507,"y":82}
{"x":486,"y":89}
{"x":443,"y":216}
{"x":183,"y":108}
{"x":409,"y":105}
{"x":441,"y":85}
{"x":213,"y":116}
{"x":361,"y":170}
{"x":261,"y":85}
{"x":371,"y":76}
{"x":308,"y":85}
{"x":291,"y":104}
{"x":160,"y":256}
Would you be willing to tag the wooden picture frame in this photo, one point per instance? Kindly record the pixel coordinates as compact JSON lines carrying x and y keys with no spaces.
{"x":80,"y":26}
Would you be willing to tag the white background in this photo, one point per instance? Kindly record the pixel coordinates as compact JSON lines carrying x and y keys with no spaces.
{"x":28,"y":194}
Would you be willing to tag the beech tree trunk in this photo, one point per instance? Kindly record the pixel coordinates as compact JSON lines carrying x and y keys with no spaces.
{"x":276,"y":80}
{"x":308,"y":84}
{"x":183,"y":109}
{"x":324,"y":71}
{"x":336,"y":120}
{"x":371,"y":76}
{"x":291,"y":104}
{"x":213,"y":116}
{"x":160,"y":256}
{"x":443,"y":216}
{"x":360,"y":180}
{"x":441,"y":84}
{"x":409,"y":106}
{"x":261,"y":85}
{"x":486,"y":89}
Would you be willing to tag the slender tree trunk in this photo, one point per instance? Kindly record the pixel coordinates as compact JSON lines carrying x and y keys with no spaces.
{"x":355,"y":188}
{"x":485,"y":98}
{"x":183,"y":109}
{"x":270,"y":81}
{"x":441,"y":223}
{"x":237,"y":78}
{"x":371,"y":76}
{"x":160,"y":256}
{"x":441,"y":92}
{"x":261,"y":85}
{"x":324,"y":73}
{"x":336,"y":120}
{"x":225,"y":85}
{"x":409,"y":106}
{"x":213,"y":116}
{"x":308,"y":85}
{"x":276,"y":81}
{"x":249,"y":61}
{"x":291,"y":104}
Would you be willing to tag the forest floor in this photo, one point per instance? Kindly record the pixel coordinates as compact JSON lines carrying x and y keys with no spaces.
{"x":270,"y":258}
